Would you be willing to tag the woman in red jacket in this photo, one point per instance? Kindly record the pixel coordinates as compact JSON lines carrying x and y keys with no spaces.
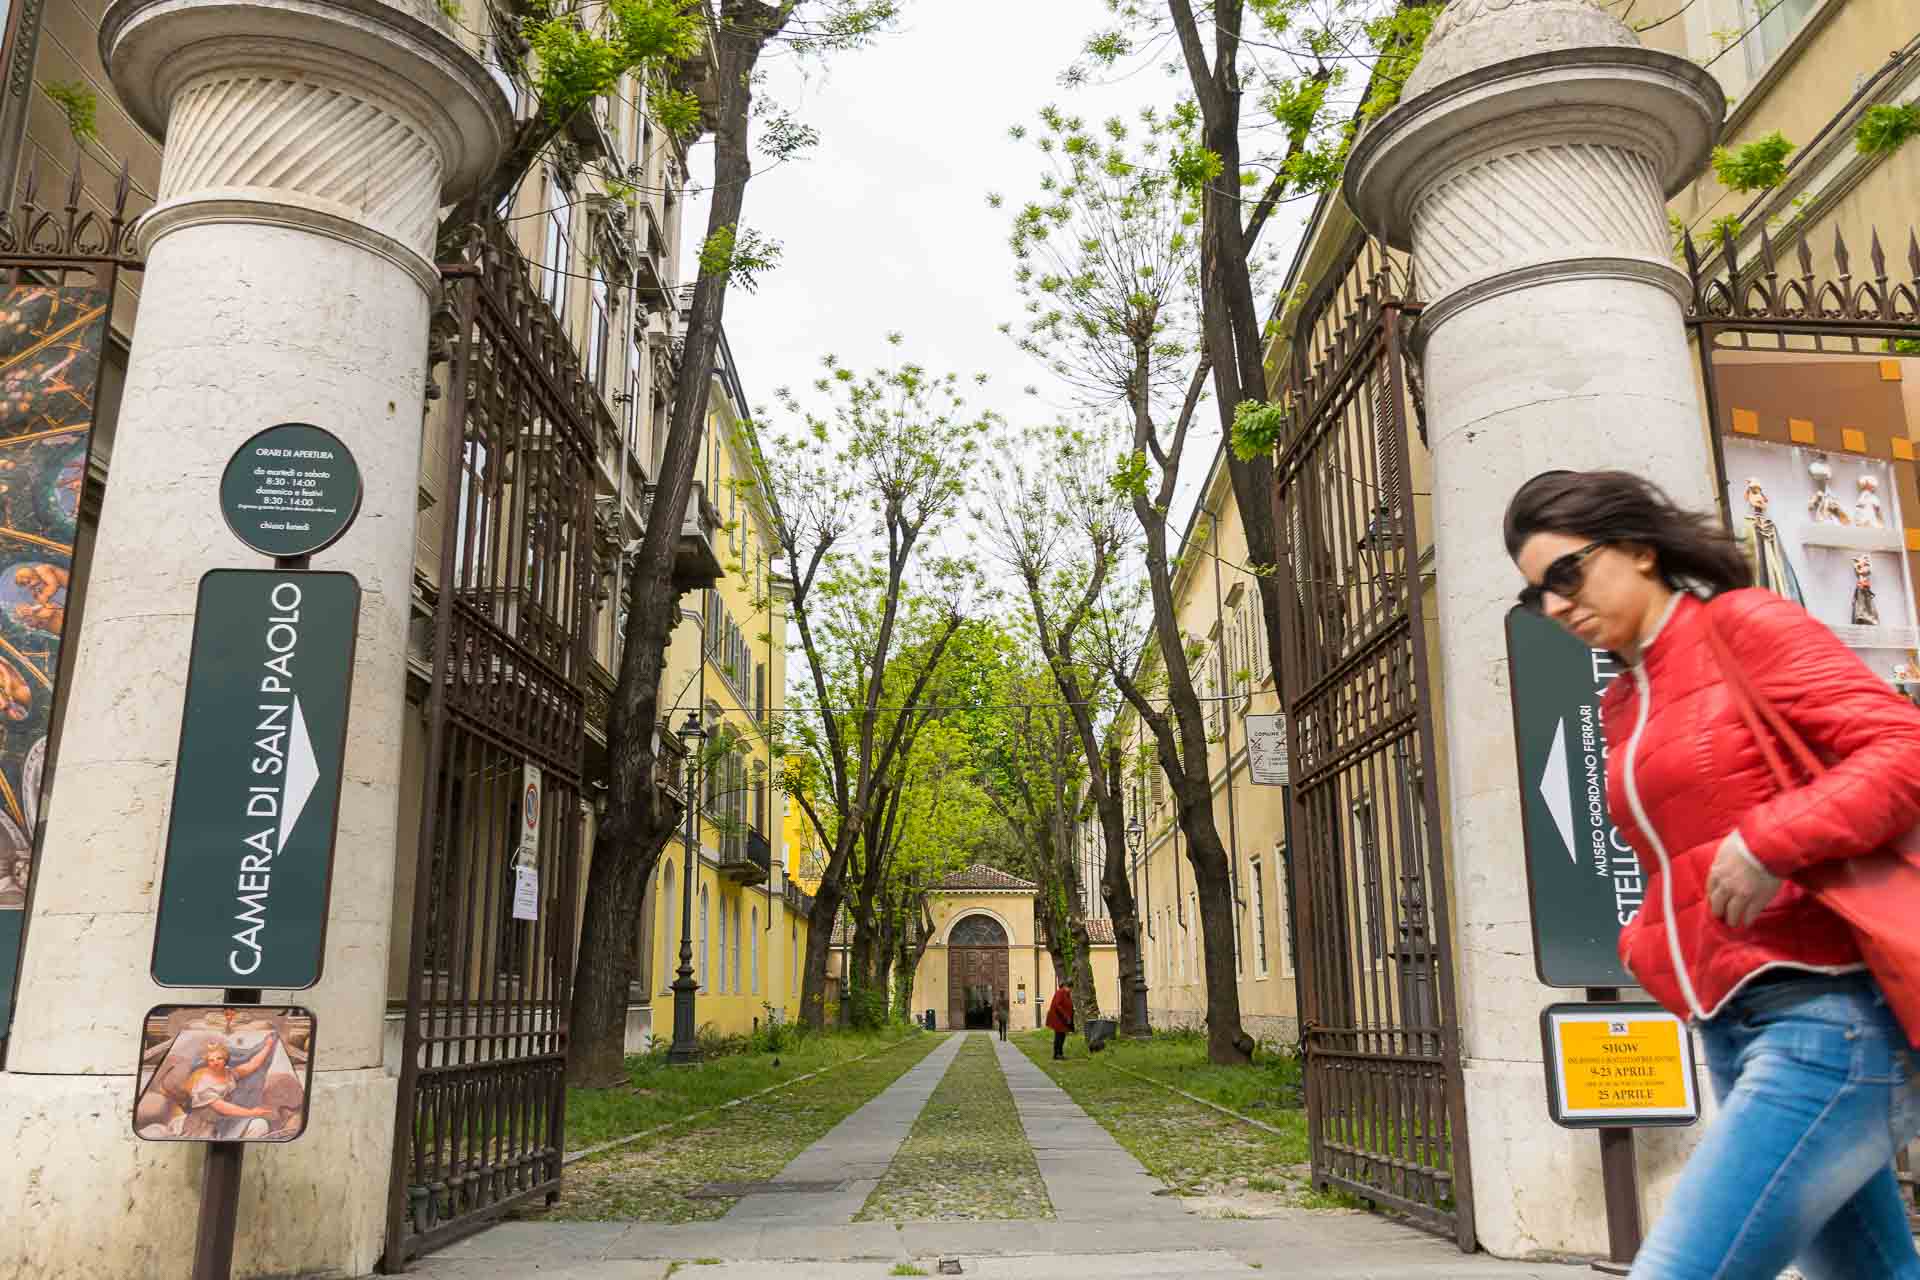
{"x":1812,"y":1070}
{"x":1060,"y":1019}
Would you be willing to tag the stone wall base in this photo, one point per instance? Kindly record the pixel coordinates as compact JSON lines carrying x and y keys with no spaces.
{"x":86,"y":1197}
{"x":1518,"y":1152}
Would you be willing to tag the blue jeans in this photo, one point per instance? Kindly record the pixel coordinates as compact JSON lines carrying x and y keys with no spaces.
{"x":1816,"y":1091}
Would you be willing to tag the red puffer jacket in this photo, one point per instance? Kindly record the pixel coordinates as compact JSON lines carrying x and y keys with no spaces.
{"x":1684,"y":771}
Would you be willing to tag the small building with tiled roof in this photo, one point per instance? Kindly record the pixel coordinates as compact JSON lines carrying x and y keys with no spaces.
{"x":985,"y":879}
{"x":988,"y":944}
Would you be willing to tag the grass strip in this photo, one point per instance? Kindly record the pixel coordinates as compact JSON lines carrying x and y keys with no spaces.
{"x":1179,"y":1059}
{"x":658,"y":1094}
{"x":967,"y":1158}
{"x":650,"y":1179}
{"x":1194,"y":1146}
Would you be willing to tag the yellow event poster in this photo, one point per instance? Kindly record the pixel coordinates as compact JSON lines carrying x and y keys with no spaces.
{"x":1619,"y":1065}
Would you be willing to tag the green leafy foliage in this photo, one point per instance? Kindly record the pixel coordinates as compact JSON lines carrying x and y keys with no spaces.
{"x":575,"y":64}
{"x":741,"y":257}
{"x":1884,"y":129}
{"x":1257,"y":426}
{"x":79,"y":105}
{"x":1760,"y":165}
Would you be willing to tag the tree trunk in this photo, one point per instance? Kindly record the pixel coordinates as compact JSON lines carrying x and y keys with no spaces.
{"x":1180,"y":741}
{"x":1228,"y":1044}
{"x":1086,"y":996}
{"x":813,"y":978}
{"x":1117,"y":891}
{"x":638,"y":821}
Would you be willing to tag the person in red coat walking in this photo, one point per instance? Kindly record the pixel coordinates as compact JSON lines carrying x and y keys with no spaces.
{"x":1813,"y":1070}
{"x":1060,"y":1019}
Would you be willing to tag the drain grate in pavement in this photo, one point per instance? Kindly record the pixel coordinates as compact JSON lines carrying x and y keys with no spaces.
{"x":949,"y":1266}
{"x":730,"y":1190}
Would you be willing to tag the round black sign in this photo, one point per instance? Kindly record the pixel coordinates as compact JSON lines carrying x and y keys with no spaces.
{"x":291,"y":490}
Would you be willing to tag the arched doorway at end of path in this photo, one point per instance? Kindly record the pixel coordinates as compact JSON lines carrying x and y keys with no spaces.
{"x":976,"y":971}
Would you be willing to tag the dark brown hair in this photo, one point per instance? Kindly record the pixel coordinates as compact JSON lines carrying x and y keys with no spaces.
{"x":1692,"y":549}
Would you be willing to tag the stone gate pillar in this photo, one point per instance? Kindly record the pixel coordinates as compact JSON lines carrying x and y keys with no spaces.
{"x":309,"y":147}
{"x":1527,"y":167}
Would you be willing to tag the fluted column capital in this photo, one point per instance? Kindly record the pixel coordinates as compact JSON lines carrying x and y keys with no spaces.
{"x":355,"y":119}
{"x":1552,"y":164}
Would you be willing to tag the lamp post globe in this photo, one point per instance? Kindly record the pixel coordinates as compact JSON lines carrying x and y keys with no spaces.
{"x":684,"y":1051}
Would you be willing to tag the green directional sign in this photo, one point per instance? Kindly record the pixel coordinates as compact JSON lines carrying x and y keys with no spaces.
{"x":1583,"y":879}
{"x":243,"y":892}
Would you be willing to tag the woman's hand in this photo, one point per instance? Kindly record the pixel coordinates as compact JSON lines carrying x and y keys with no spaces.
{"x":1738,"y":887}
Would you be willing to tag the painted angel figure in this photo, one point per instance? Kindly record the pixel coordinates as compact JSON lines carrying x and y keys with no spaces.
{"x":1760,"y":539}
{"x":1823,"y":507}
{"x":1866,"y":508}
{"x":208,"y":1104}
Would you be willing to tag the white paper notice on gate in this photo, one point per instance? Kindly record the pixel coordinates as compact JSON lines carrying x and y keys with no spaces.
{"x":1267,"y":750}
{"x":526,"y":893}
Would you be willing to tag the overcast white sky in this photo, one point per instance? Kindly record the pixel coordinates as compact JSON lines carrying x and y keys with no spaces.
{"x":885,"y":224}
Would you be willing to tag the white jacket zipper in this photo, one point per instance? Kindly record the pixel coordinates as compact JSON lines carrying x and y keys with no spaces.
{"x":1659,"y":848}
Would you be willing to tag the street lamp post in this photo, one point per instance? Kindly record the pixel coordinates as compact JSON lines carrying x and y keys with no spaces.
{"x":685,"y":1052}
{"x":1136,"y":840}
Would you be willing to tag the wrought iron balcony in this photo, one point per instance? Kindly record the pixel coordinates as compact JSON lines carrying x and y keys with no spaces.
{"x":746,"y":857}
{"x":696,"y":565}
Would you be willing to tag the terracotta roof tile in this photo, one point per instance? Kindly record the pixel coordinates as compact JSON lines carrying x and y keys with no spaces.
{"x":982,"y":876}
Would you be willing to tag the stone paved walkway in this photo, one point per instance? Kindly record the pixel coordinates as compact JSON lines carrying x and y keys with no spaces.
{"x":847,"y":1164}
{"x":1089,"y":1176}
{"x":1109,"y":1221}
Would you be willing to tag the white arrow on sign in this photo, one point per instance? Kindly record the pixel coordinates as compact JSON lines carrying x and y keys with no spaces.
{"x":303,"y":774}
{"x":1557,"y":791}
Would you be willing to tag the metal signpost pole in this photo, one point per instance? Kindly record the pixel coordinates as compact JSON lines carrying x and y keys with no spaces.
{"x":289,"y":491}
{"x":1619,"y":1182}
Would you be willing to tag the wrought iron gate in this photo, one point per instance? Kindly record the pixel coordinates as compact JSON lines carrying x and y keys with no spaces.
{"x":1385,"y":1100}
{"x":482,"y":1076}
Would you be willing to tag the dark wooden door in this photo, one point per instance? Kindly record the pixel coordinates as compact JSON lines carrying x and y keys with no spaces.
{"x":976,"y":983}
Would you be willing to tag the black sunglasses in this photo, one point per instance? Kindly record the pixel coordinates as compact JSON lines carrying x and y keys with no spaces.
{"x":1563,"y":577}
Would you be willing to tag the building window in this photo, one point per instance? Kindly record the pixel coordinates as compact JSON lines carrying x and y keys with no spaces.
{"x":720,"y":979}
{"x":668,"y":918}
{"x":753,"y":956}
{"x":794,"y":934}
{"x":1259,"y":920}
{"x":1774,"y":24}
{"x":1366,"y":849}
{"x":597,"y":333}
{"x":736,"y":948}
{"x":1197,"y":961}
{"x":556,"y":254}
{"x":704,"y":956}
{"x":1239,"y":968}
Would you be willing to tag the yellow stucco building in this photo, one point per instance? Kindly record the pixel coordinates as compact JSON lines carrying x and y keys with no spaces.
{"x":727,"y":663}
{"x":988,"y":942}
{"x":1216,"y":599}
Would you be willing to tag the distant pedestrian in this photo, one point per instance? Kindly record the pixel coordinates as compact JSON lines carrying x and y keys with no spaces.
{"x":1000,"y":1014}
{"x":1060,"y":1020}
{"x":1739,"y":933}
